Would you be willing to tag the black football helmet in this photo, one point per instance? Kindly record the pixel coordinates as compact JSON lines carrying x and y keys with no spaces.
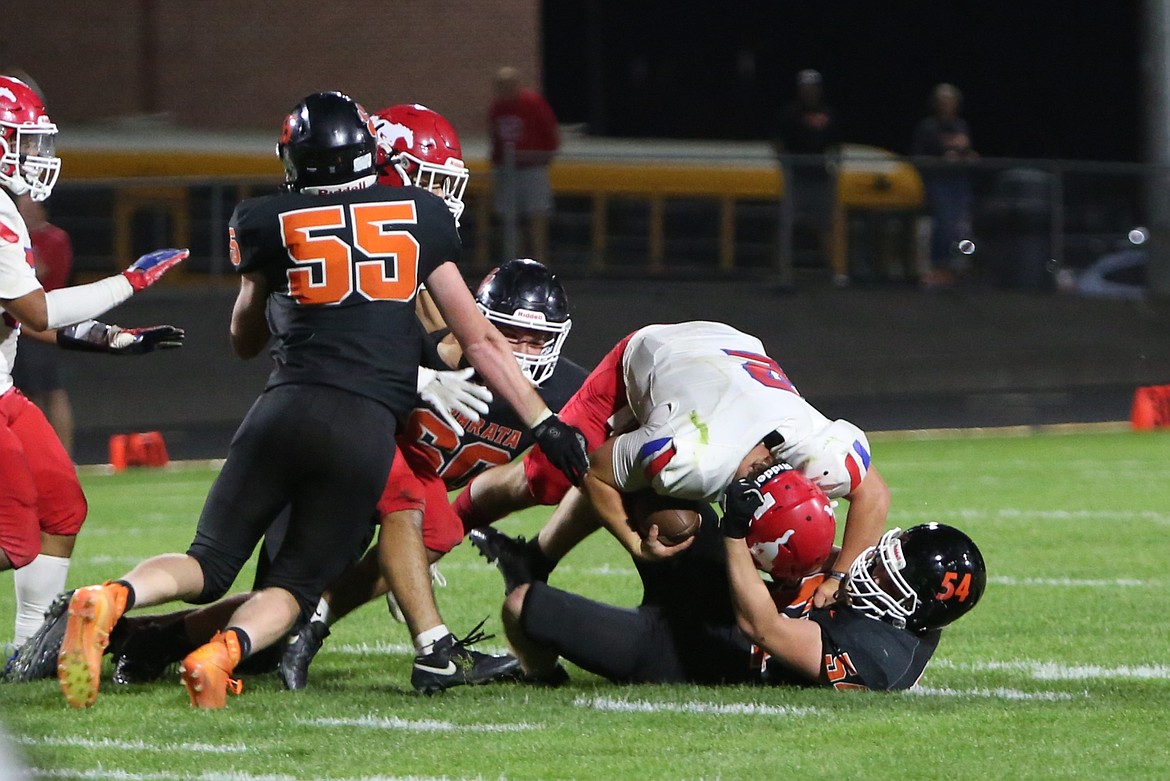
{"x":919,"y":579}
{"x":327,"y":143}
{"x":523,"y":293}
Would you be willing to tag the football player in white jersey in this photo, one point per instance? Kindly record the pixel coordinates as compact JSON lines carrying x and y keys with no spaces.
{"x":685,"y":409}
{"x":41,"y":503}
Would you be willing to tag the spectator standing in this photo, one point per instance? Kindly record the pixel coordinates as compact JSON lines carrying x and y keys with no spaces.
{"x":38,"y":373}
{"x":944,"y":134}
{"x":524,"y":139}
{"x":808,"y":126}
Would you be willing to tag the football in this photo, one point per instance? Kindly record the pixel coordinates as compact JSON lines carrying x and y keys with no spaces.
{"x":677,"y":519}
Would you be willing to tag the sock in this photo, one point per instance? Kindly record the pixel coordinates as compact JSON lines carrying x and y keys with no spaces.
{"x":542,"y":564}
{"x":37,"y":584}
{"x":471,"y":515}
{"x":323,"y":613}
{"x":129,"y":593}
{"x":244,"y":640}
{"x":424,"y":642}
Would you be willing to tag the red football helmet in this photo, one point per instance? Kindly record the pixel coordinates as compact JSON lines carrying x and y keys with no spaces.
{"x":28,"y":164}
{"x":418,"y":146}
{"x":792,"y":532}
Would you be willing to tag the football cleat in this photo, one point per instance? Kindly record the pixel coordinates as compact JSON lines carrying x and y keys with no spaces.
{"x":207,"y":671}
{"x":452,"y":663}
{"x":93,"y":611}
{"x":302,"y":647}
{"x":555,"y":678}
{"x":510,"y":555}
{"x":144,"y":655}
{"x":37,"y":658}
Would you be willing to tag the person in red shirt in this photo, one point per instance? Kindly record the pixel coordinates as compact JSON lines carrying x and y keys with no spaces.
{"x":524,"y":139}
{"x":38,"y":373}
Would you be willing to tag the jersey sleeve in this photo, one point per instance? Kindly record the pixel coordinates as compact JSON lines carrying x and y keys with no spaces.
{"x":438,"y":235}
{"x":673,"y":461}
{"x":18,"y":277}
{"x":864,"y":653}
{"x":246,"y":237}
{"x":836,"y":458}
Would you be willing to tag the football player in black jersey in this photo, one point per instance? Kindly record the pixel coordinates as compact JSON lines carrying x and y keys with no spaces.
{"x":331,"y":269}
{"x":528,"y":304}
{"x":707,"y":617}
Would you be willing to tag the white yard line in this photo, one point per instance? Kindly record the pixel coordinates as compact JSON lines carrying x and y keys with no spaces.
{"x":1050,"y":671}
{"x":620,"y":705}
{"x":415,"y":725}
{"x":1008,"y":580}
{"x":995,"y":694}
{"x":109,"y":774}
{"x":133,"y":745}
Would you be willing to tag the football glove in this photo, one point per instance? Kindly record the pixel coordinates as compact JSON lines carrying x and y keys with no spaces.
{"x":149,"y":268}
{"x":564,"y":446}
{"x":740,"y":502}
{"x":95,"y":337}
{"x":453,"y":390}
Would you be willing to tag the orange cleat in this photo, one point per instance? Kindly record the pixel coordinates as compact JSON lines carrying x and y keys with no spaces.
{"x":208,"y":669}
{"x":93,"y":611}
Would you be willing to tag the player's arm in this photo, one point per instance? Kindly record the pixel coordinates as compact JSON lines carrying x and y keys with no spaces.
{"x":42,"y":311}
{"x":96,"y":337}
{"x":600,"y":487}
{"x":249,"y":328}
{"x":795,"y":642}
{"x":490,"y":354}
{"x":869,"y":504}
{"x":427,"y":312}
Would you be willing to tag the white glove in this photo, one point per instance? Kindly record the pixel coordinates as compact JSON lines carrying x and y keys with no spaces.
{"x":453,"y":390}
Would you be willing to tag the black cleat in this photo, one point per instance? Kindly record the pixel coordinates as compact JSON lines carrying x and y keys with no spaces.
{"x":37,"y":658}
{"x":510,"y":555}
{"x":555,"y":678}
{"x":452,"y":663}
{"x":302,"y":647}
{"x":144,"y":654}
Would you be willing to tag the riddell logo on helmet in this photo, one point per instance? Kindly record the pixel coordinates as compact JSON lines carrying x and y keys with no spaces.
{"x":771,"y":472}
{"x":527,"y":314}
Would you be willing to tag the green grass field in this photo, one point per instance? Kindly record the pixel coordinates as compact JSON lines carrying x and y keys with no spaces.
{"x":1063,"y":671}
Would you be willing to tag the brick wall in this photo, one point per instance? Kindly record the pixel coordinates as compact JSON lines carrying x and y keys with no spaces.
{"x":223,"y":64}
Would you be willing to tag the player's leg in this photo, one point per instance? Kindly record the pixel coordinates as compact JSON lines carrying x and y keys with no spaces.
{"x":144,"y":647}
{"x":20,"y":533}
{"x":60,"y":509}
{"x":359,"y":583}
{"x":442,"y":660}
{"x":620,"y":644}
{"x":345,"y":448}
{"x":243,"y":499}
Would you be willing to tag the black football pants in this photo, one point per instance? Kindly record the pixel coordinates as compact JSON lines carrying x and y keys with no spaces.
{"x":648,"y":644}
{"x":324,"y":452}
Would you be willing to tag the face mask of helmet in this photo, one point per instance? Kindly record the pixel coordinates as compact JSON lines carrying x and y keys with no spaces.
{"x":422,"y":149}
{"x":28,"y":161}
{"x":919,"y":579}
{"x":524,"y":294}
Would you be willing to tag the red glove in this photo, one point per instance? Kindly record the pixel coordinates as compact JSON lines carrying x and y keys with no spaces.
{"x":150,"y":267}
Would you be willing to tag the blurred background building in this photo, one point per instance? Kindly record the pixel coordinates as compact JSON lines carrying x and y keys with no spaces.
{"x":671,"y":201}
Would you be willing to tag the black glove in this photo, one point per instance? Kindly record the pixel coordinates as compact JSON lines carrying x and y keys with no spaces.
{"x":740,"y":502}
{"x":97,"y":337}
{"x":145,"y":340}
{"x":564,"y":446}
